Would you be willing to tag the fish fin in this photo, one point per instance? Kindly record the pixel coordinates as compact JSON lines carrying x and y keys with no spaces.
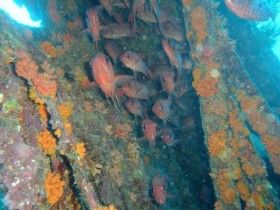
{"x":159,"y":133}
{"x":119,"y":4}
{"x":118,"y":94}
{"x":152,"y":144}
{"x":151,"y":74}
{"x":170,"y":196}
{"x":89,"y":86}
{"x":121,"y":79}
{"x":117,"y":17}
{"x":141,"y":139}
{"x":86,"y":30}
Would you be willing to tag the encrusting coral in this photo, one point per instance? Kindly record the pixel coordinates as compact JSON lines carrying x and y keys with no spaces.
{"x":206,"y":87}
{"x":26,"y":68}
{"x":110,"y":207}
{"x":48,"y":48}
{"x":199,"y":22}
{"x":54,"y":187}
{"x":65,"y":109}
{"x":217,"y":143}
{"x":47,"y":142}
{"x":44,"y":86}
{"x":81,"y":150}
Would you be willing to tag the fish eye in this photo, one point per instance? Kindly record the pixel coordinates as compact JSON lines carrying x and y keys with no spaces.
{"x":163,"y":79}
{"x":128,"y":55}
{"x":144,"y":127}
{"x":107,"y":60}
{"x":161,"y":106}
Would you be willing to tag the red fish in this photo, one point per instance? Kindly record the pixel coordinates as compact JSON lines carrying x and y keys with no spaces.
{"x":104,"y":76}
{"x":93,"y":24}
{"x":113,"y":50}
{"x":159,"y":192}
{"x":155,"y":7}
{"x":149,"y":17}
{"x":137,"y":8}
{"x":137,"y":90}
{"x":256,"y":10}
{"x":169,"y":31}
{"x":167,"y":81}
{"x":174,"y":56}
{"x":116,"y":31}
{"x":162,"y":109}
{"x":149,"y":129}
{"x":134,"y":107}
{"x":168,"y":136}
{"x":108,"y":6}
{"x":133,"y":61}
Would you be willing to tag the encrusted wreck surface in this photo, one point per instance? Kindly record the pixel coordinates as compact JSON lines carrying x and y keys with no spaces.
{"x":62,"y":147}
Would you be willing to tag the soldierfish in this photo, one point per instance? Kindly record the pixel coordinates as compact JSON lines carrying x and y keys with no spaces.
{"x":167,"y":81}
{"x":174,"y":56}
{"x":148,"y":16}
{"x":116,"y":31}
{"x":133,"y":61}
{"x":134,"y":107}
{"x":159,"y":192}
{"x":168,"y":136}
{"x":137,"y":8}
{"x":104,"y":76}
{"x":149,"y":129}
{"x":137,"y":90}
{"x":113,"y":50}
{"x":155,"y":8}
{"x":93,"y":24}
{"x":108,"y":6}
{"x":169,"y":31}
{"x":256,"y":10}
{"x":162,"y":109}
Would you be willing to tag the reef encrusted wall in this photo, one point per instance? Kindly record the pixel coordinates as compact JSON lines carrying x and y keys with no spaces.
{"x":65,"y":148}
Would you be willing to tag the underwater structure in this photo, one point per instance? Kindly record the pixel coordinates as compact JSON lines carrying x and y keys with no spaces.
{"x":133,"y":105}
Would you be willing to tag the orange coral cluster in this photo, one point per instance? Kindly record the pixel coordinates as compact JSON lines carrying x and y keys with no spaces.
{"x":26,"y":68}
{"x":196,"y":74}
{"x":54,"y":187}
{"x":65,"y":109}
{"x":44,"y":85}
{"x":272,"y":144}
{"x":199,"y":22}
{"x":110,"y":207}
{"x":206,"y":87}
{"x":236,"y":125}
{"x":81,"y":150}
{"x":47,"y":142}
{"x":253,"y":107}
{"x":48,"y":49}
{"x":217,"y":143}
{"x":243,"y":190}
{"x":227,"y":193}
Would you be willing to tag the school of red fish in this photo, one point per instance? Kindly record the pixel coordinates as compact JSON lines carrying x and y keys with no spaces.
{"x":161,"y":85}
